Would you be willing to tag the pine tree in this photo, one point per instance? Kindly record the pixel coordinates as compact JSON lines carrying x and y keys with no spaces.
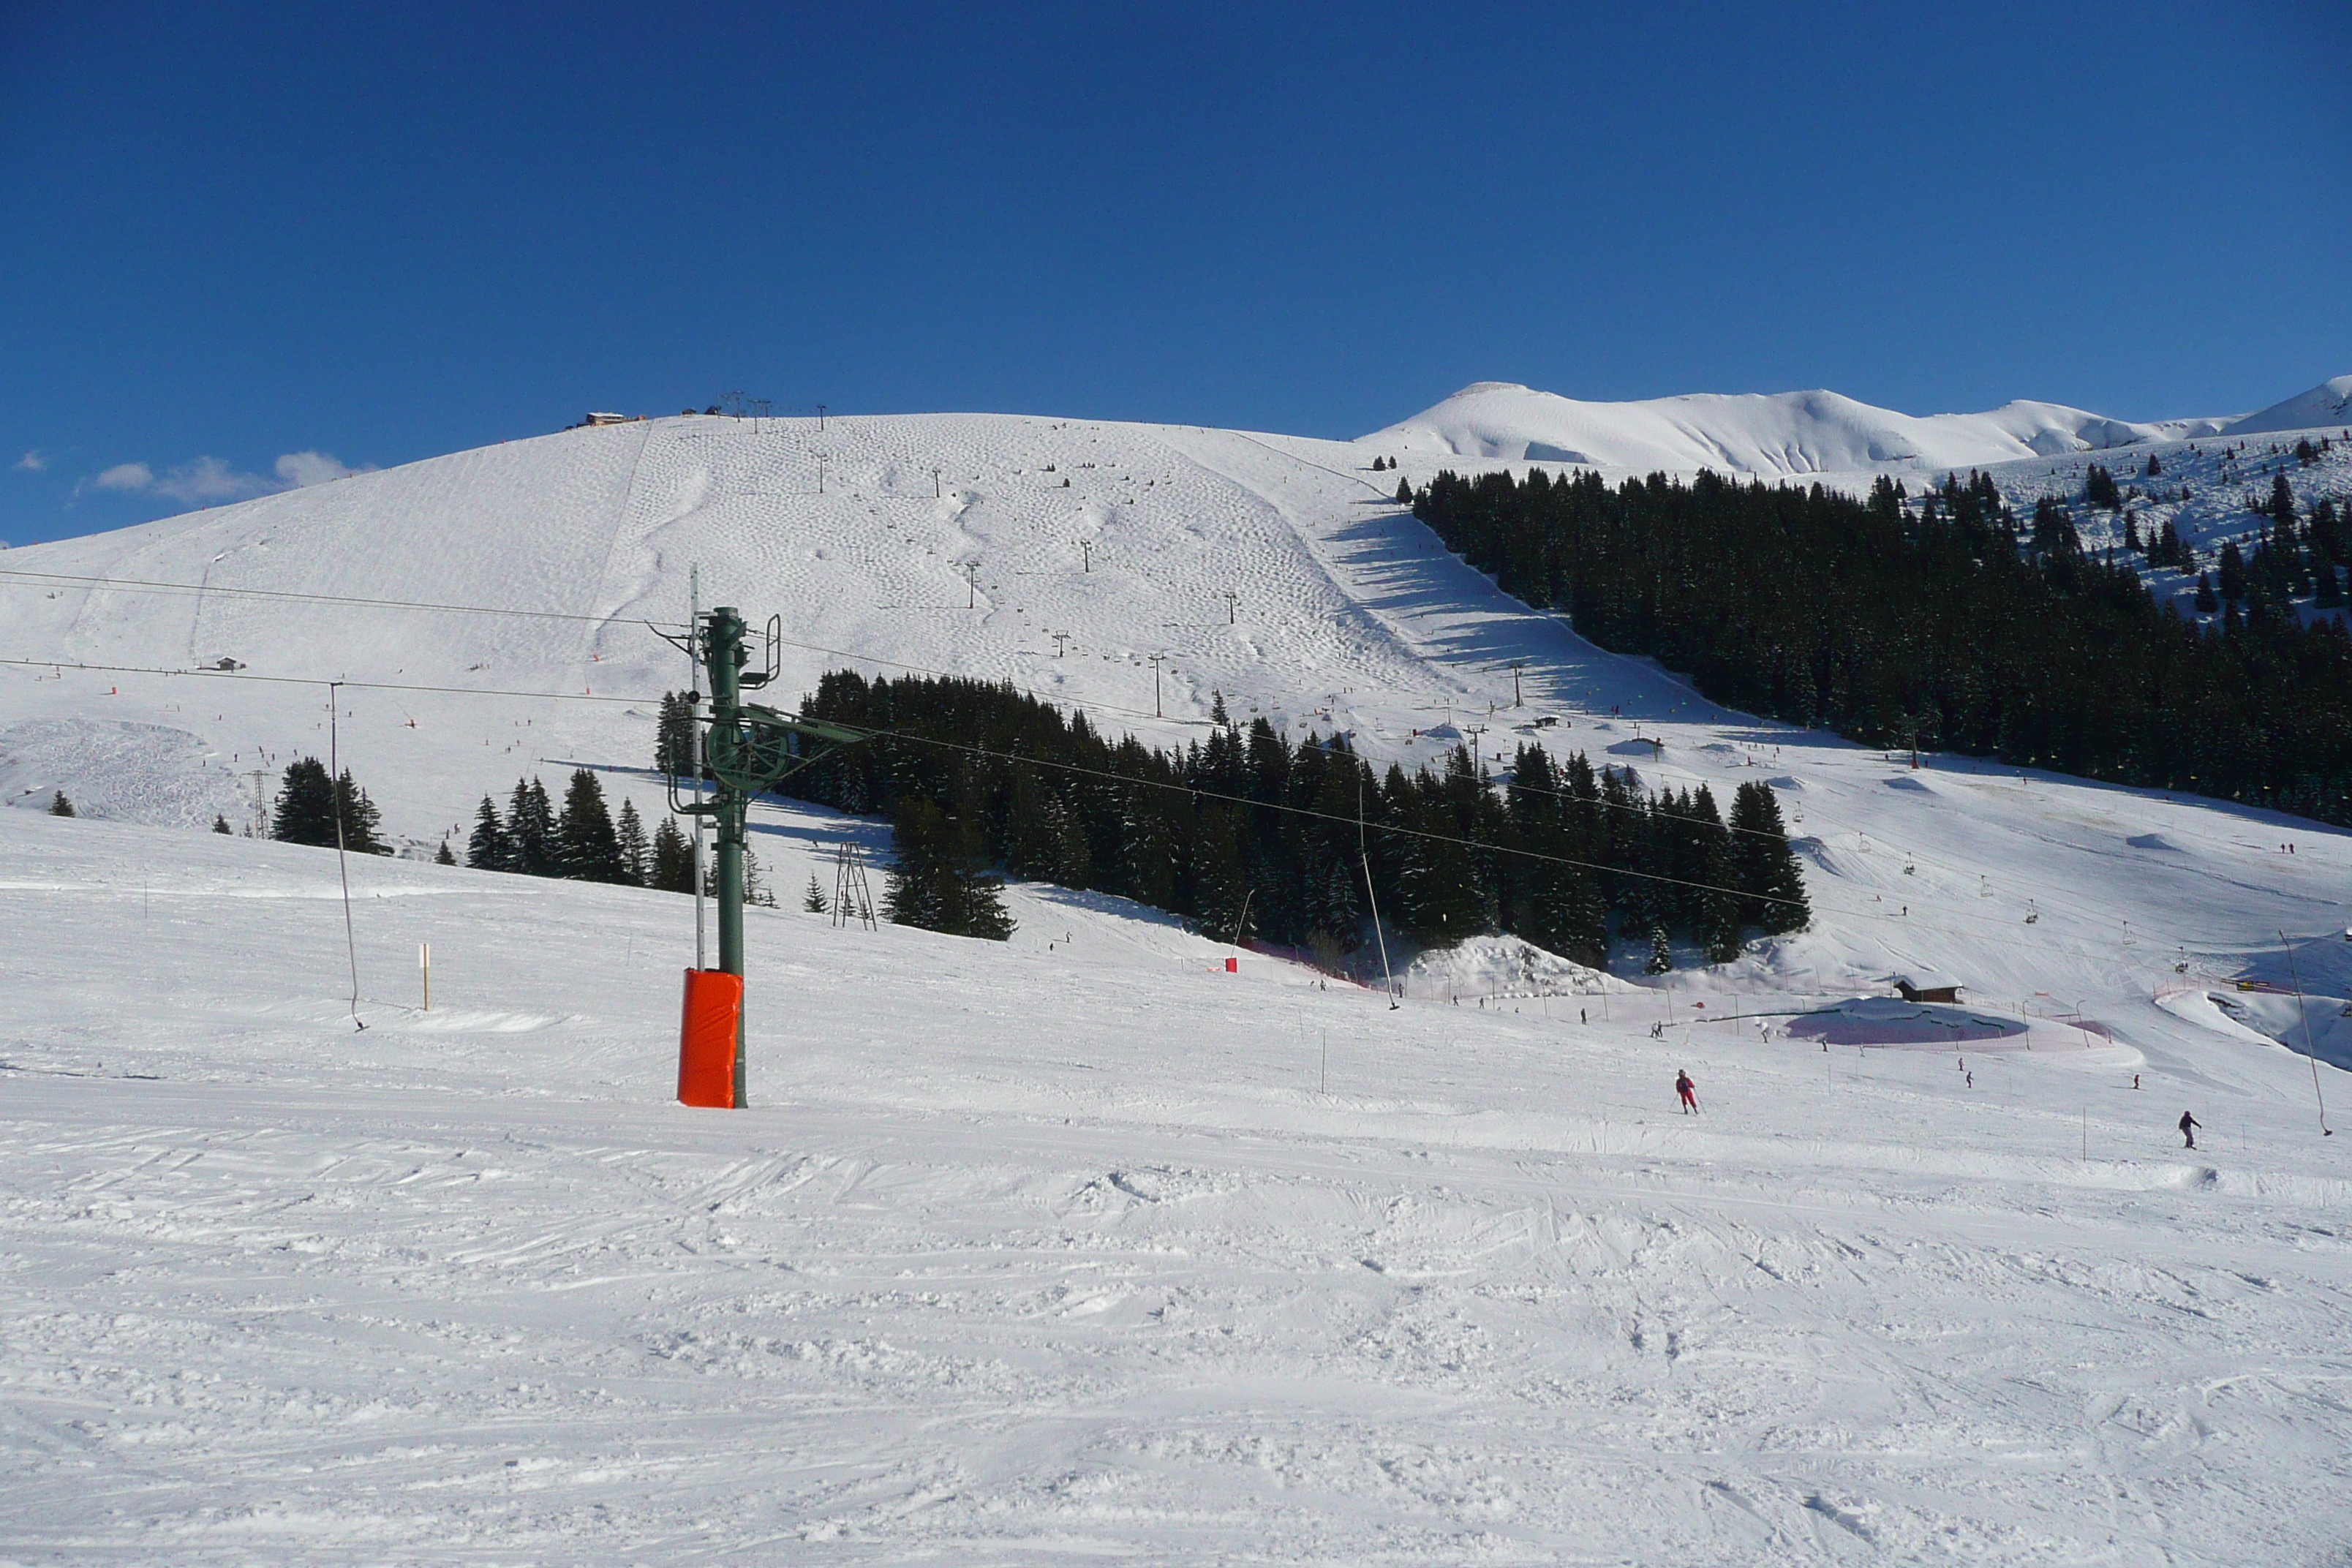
{"x":1720,"y":905}
{"x":673,"y":867}
{"x":1764,"y":867}
{"x":304,"y":812}
{"x":1404,"y":493}
{"x":1662,"y":952}
{"x":913,"y":891}
{"x":673,"y":736}
{"x":445,"y":857}
{"x":2154,"y":468}
{"x":359,"y":819}
{"x":587,"y":849}
{"x":2282,"y":507}
{"x":2232,"y":572}
{"x":814,"y":900}
{"x":530,"y":829}
{"x":220,"y":824}
{"x":936,"y":879}
{"x":637,"y":853}
{"x":489,"y":848}
{"x":2099,"y":488}
{"x":60,"y":805}
{"x":2205,"y":602}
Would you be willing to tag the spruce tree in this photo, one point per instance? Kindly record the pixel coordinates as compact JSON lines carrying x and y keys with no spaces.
{"x":60,"y":805}
{"x":304,"y":812}
{"x":489,"y":848}
{"x":636,"y":851}
{"x":1662,"y":952}
{"x":913,"y":892}
{"x":532,"y":828}
{"x":673,"y":736}
{"x":814,"y":900}
{"x":359,"y":819}
{"x":936,"y":879}
{"x":220,"y":824}
{"x":587,"y":849}
{"x":2232,"y":574}
{"x":444,"y":857}
{"x":2282,"y":507}
{"x":1404,"y":493}
{"x":1765,"y":866}
{"x":673,"y":863}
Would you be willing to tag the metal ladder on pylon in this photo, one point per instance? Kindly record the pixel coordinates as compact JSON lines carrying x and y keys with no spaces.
{"x":853,"y":900}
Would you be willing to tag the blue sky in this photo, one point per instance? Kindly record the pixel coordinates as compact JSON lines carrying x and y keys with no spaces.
{"x":240,"y":245}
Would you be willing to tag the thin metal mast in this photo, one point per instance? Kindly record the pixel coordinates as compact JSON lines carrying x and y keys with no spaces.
{"x":694,"y":743}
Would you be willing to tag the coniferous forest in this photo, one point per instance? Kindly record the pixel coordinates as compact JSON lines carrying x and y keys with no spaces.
{"x":1944,"y":621}
{"x":1249,"y":836}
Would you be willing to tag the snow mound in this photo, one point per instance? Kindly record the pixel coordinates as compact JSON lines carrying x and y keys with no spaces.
{"x":1502,"y":966}
{"x":2153,"y":841}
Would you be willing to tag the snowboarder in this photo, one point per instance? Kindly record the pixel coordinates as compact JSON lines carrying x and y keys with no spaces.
{"x":1689,"y":1090}
{"x":2188,"y":1125}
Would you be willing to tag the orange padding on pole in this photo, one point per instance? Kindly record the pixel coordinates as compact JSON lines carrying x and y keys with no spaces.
{"x":706,"y":1038}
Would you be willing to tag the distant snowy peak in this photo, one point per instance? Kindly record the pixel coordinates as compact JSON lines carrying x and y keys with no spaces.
{"x":2329,"y":402}
{"x":1794,"y":432}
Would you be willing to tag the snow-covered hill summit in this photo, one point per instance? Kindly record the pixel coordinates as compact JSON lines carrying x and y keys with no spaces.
{"x":1796,"y":432}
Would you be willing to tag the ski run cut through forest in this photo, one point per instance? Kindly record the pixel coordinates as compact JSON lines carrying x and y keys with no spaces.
{"x":1250,"y":1126}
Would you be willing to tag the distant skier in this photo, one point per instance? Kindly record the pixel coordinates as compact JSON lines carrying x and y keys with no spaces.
{"x":2188,"y":1125}
{"x":1689,"y":1091}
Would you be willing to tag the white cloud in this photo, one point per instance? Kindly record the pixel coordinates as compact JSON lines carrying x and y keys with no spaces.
{"x":210,"y":480}
{"x":301,"y":468}
{"x":125,"y":476}
{"x":31,"y":462}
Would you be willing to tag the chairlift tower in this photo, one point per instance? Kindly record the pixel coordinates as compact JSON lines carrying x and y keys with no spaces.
{"x":747,"y":750}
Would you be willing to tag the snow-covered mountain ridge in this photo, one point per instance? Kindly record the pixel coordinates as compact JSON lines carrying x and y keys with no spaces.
{"x":1793,"y":433}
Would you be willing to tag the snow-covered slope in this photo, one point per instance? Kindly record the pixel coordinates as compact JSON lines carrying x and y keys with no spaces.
{"x":1031,"y":1253}
{"x":1793,"y":432}
{"x":1052,"y":1247}
{"x":1060,"y":555}
{"x":2328,"y":403}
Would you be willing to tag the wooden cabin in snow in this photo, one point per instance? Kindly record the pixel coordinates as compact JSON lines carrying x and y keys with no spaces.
{"x":1937,"y":989}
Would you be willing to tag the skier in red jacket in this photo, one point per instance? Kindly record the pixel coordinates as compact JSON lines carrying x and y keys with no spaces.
{"x":1689,"y":1091}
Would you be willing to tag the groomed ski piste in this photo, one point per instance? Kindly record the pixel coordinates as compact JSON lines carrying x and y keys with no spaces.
{"x":1080,"y":1244}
